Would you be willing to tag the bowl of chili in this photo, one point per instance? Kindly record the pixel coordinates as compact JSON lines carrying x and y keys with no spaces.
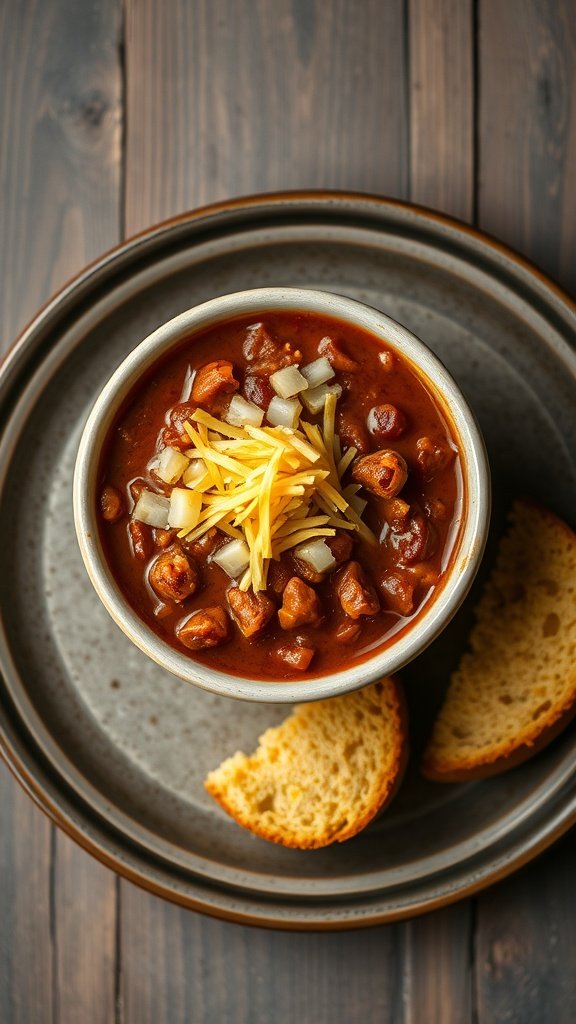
{"x":281,"y":495}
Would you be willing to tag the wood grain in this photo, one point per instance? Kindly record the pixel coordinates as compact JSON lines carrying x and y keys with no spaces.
{"x":525,"y":944}
{"x":26,"y":935}
{"x":84,"y":928}
{"x":60,"y":107}
{"x":527,"y":130}
{"x":437,"y":966}
{"x":257,"y":96}
{"x":60,"y":114}
{"x":441,"y":59}
{"x":180,"y":967}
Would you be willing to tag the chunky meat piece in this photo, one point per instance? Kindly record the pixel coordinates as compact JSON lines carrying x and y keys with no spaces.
{"x":252,"y":612}
{"x":171,"y":438}
{"x":174,"y":435}
{"x":300,"y":605}
{"x":258,"y":344}
{"x":136,"y":488}
{"x":433,"y":457}
{"x":383,"y":473}
{"x":348,"y":631}
{"x":140,"y":540}
{"x":397,"y":589}
{"x":305,"y":571}
{"x":416,"y":543}
{"x":212,"y":381}
{"x":424,"y":574}
{"x":207,"y":627}
{"x":294,"y":656}
{"x":436,"y":509}
{"x":356,"y":595}
{"x":337,"y":355}
{"x":207,"y":543}
{"x":265,"y":355}
{"x":396,"y":513}
{"x":179,"y":415}
{"x":341,"y":545}
{"x":163,"y":538}
{"x":352,"y":432}
{"x":258,"y":390}
{"x":386,"y":422}
{"x":280,"y":572}
{"x":111,"y":504}
{"x":173,"y":576}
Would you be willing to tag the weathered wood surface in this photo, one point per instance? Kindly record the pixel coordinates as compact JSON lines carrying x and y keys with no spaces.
{"x":441,"y":75}
{"x":113,"y":116}
{"x":60,"y":196}
{"x":180,"y":967}
{"x":295,"y":94}
{"x":525,"y":942}
{"x":527,"y":130}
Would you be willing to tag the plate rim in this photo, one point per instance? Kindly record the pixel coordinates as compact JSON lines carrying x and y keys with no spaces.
{"x":38,"y":787}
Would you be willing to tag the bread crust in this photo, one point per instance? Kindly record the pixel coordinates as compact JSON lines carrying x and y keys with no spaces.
{"x":393,"y":703}
{"x":485,"y":769}
{"x":487,"y":763}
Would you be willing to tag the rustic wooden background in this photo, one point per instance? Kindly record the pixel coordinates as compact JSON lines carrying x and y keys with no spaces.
{"x":115,"y":114}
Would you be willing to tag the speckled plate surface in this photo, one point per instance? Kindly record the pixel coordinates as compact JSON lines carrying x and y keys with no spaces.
{"x":114,"y":750}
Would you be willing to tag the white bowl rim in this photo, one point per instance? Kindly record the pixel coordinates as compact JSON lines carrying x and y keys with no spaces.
{"x":464,"y":562}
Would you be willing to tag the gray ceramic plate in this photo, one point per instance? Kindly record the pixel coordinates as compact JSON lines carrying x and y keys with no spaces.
{"x":114,"y":750}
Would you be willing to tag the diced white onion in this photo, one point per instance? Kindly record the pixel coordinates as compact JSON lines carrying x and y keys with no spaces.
{"x":288,"y":382}
{"x":358,"y":504}
{"x":243,"y":414}
{"x":194,"y":473}
{"x":152,"y":509}
{"x":284,"y":412}
{"x":317,"y":554}
{"x":184,"y":509}
{"x":234,"y":558}
{"x":314,"y":400}
{"x":318,"y":372}
{"x":170,"y":465}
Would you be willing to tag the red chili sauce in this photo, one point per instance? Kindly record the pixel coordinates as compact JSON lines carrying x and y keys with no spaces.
{"x":329,"y":620}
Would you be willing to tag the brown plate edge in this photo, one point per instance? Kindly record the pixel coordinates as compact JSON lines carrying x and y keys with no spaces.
{"x":277,"y":199}
{"x":351,"y":917}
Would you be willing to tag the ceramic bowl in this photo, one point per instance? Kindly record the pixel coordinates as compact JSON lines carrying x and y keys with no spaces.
{"x":436,"y":613}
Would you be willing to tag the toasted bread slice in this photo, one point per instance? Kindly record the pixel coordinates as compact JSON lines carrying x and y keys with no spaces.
{"x":516,"y":687}
{"x":323,"y":774}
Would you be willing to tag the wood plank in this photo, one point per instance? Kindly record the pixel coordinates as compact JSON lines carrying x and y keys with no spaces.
{"x":246,"y":97}
{"x":441,"y":49}
{"x":437,"y":966}
{"x":60,"y":113}
{"x":525,"y":944}
{"x":60,"y":103}
{"x":26,"y":936}
{"x":180,"y":967}
{"x":527,"y":130}
{"x":527,"y":168}
{"x":527,"y":160}
{"x":84,"y":926}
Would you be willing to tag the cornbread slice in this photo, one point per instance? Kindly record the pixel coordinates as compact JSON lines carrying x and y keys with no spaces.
{"x":516,"y":687}
{"x":323,"y":774}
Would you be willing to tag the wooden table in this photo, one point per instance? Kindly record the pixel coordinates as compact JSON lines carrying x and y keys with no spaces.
{"x":115,"y":115}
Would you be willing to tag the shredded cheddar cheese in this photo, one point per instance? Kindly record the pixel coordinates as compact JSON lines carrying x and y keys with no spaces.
{"x":274,"y":487}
